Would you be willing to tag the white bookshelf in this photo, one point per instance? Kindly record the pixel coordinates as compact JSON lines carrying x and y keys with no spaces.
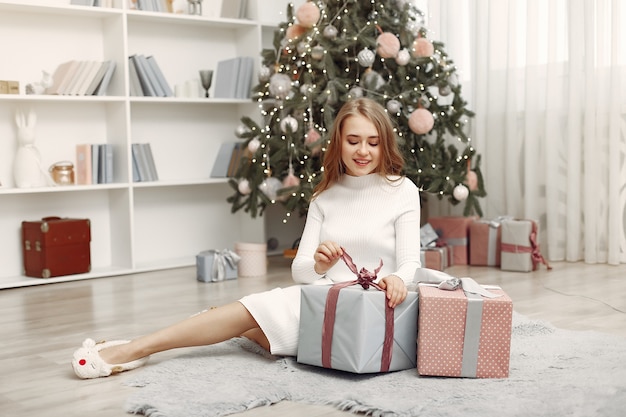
{"x":135,"y":226}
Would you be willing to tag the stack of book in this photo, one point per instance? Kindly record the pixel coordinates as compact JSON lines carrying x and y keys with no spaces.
{"x":228,"y":159}
{"x":234,"y":78}
{"x":96,"y":3}
{"x":94,"y":164}
{"x":144,"y":168}
{"x":146,"y":77}
{"x":151,"y":5}
{"x":82,"y":78}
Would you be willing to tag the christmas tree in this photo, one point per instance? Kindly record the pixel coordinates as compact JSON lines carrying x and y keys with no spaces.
{"x":329,"y":51}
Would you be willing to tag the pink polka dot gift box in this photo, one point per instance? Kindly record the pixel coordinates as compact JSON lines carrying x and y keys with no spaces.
{"x":464,"y":330}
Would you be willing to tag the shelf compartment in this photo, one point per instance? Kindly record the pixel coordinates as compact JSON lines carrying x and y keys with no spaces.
{"x":108,"y":211}
{"x":177,"y":225}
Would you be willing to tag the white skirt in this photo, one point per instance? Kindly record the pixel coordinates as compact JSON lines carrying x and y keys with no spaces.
{"x":278,"y":314}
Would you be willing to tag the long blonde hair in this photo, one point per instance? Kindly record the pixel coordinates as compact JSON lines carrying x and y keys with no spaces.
{"x":391,"y":161}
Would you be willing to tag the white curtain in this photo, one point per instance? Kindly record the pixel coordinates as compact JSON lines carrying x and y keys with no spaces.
{"x":547,"y":80}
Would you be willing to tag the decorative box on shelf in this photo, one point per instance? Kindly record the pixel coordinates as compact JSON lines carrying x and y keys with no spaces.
{"x":464,"y":330}
{"x":56,"y":246}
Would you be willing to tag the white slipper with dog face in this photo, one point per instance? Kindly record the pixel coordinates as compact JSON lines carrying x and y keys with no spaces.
{"x":88,"y":364}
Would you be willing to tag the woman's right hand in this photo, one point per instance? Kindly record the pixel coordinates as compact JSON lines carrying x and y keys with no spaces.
{"x":326,"y":256}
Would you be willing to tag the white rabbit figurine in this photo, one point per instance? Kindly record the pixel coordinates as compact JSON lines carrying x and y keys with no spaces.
{"x":27,"y":170}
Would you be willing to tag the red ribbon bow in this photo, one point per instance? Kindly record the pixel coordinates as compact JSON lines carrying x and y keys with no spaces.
{"x":366,"y":279}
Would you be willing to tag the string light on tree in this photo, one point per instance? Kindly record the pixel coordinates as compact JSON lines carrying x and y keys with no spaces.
{"x":330,"y":51}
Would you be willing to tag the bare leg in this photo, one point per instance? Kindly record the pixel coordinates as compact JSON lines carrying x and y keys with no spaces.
{"x":209,"y":327}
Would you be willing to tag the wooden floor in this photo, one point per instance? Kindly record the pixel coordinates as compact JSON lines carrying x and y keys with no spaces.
{"x":41,"y":326}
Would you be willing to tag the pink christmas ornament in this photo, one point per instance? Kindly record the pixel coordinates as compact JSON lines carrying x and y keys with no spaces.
{"x":422,"y":48}
{"x":291,"y":180}
{"x":387,"y":45}
{"x":471,"y":180}
{"x":308,"y":14}
{"x":310,"y":140}
{"x":421,"y":121}
{"x":244,"y":187}
{"x":295,"y":31}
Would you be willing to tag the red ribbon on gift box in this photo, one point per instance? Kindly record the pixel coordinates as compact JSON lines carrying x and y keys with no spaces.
{"x":366,"y":279}
{"x":533,"y":249}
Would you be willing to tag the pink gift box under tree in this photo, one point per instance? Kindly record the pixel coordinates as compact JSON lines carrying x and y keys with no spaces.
{"x":437,"y":258}
{"x":485,"y":238}
{"x":454,"y":232}
{"x":463,"y":334}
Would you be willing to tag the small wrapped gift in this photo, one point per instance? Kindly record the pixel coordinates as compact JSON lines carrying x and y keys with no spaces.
{"x":454,"y":232}
{"x":464,"y":330}
{"x":428,"y":236}
{"x":214,"y":265}
{"x":519,"y":248}
{"x":436,"y":258}
{"x":485,"y":238}
{"x":353,"y":329}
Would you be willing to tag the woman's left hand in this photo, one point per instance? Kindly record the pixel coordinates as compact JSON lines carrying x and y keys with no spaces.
{"x":395,"y":289}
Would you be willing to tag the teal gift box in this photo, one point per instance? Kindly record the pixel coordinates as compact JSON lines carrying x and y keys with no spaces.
{"x":214,"y":265}
{"x":358,"y":330}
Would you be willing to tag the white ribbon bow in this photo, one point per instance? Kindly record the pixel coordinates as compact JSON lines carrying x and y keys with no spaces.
{"x":220,"y":260}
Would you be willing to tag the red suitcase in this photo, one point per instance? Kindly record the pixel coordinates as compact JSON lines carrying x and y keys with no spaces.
{"x":54,"y":246}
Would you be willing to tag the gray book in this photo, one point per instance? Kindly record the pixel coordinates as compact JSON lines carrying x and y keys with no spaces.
{"x":226,"y":78}
{"x":222,"y":161}
{"x":95,"y":163}
{"x":146,"y":86}
{"x":152,"y":77}
{"x":139,"y":158}
{"x":106,"y":80}
{"x":147,"y":154}
{"x":244,"y":80}
{"x":160,"y":77}
{"x":97,"y":79}
{"x":133,"y":78}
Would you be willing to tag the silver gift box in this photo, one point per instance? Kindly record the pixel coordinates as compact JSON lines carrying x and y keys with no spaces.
{"x":214,"y":265}
{"x":359,"y":330}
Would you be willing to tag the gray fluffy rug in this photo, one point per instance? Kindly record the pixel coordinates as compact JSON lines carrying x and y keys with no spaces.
{"x":553,"y":372}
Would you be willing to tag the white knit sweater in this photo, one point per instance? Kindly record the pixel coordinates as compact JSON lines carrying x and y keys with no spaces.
{"x":372,"y":218}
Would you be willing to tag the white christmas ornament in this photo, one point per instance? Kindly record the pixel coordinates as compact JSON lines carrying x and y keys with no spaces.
{"x":241,"y":130}
{"x":244,"y":187}
{"x":317,"y":53}
{"x":289,"y":124}
{"x":330,"y":32}
{"x":373,"y":80}
{"x":270,"y":187}
{"x":366,"y":57}
{"x":460,"y":192}
{"x":253,"y":145}
{"x":394,"y":106}
{"x":280,"y":86}
{"x":356,"y":92}
{"x":403,"y":58}
{"x":264,"y":74}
